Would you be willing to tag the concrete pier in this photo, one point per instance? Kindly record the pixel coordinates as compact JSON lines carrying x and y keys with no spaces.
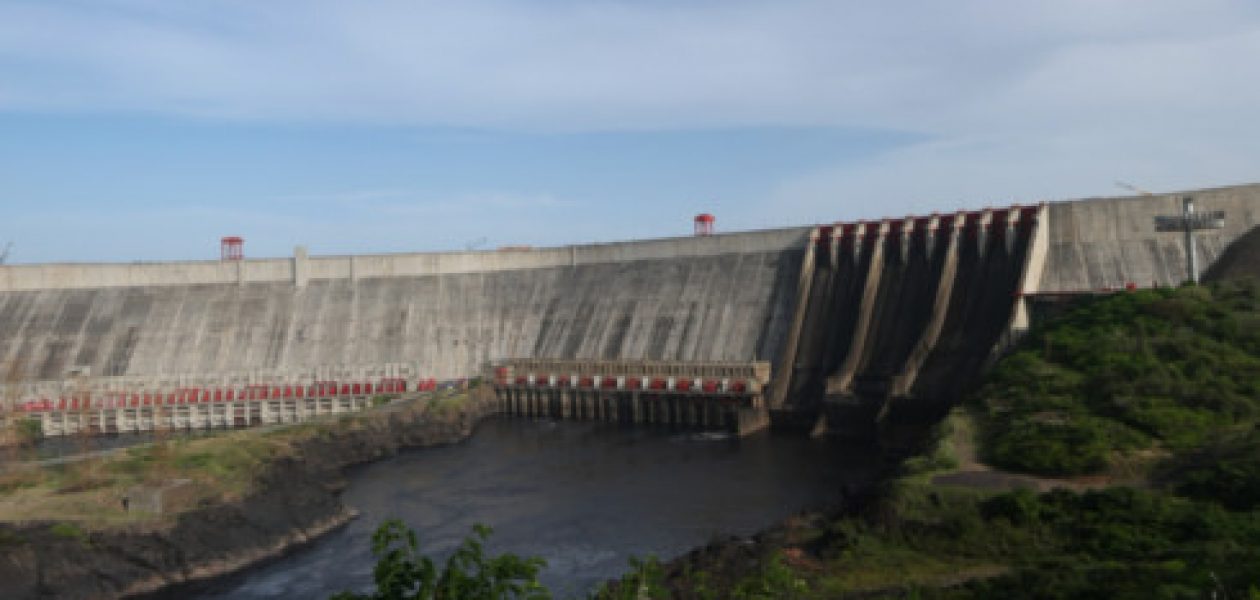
{"x":702,"y":396}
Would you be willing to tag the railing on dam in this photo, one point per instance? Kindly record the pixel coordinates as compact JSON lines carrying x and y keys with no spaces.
{"x":707,"y":395}
{"x":86,"y":392}
{"x":207,"y":408}
{"x":106,"y":405}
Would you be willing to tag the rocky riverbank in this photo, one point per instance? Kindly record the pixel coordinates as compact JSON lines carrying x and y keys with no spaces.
{"x":293,"y":501}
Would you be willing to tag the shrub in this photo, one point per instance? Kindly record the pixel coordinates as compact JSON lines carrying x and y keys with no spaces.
{"x":401,"y":572}
{"x":68,"y":531}
{"x":1170,"y":368}
{"x":1226,"y":472}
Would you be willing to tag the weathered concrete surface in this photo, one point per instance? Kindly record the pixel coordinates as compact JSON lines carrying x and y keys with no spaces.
{"x":1240,"y":260}
{"x":1107,"y":242}
{"x":725,"y":297}
{"x":699,"y":306}
{"x":301,"y":269}
{"x":907,"y":309}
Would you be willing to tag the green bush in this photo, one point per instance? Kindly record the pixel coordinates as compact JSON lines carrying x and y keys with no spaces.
{"x":28,"y":431}
{"x":1124,"y":542}
{"x":68,"y":531}
{"x":1174,"y":369}
{"x":1226,"y":472}
{"x":401,"y":572}
{"x":1056,"y":445}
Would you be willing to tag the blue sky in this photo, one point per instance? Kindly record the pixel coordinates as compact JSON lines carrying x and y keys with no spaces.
{"x":146,"y":129}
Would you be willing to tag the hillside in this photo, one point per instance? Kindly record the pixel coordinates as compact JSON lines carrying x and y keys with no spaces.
{"x":1135,"y":413}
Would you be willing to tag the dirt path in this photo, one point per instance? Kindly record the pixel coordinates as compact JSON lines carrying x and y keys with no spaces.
{"x":973,"y":473}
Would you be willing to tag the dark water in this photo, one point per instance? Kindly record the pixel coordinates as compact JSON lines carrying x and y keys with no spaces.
{"x":586,"y":497}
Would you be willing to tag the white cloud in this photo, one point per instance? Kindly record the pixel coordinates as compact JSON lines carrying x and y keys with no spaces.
{"x":580,"y":65}
{"x":1018,"y":99}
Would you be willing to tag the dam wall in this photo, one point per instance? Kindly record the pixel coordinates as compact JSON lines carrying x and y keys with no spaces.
{"x":1107,"y":243}
{"x":724,"y":297}
{"x":301,"y":269}
{"x":911,"y":307}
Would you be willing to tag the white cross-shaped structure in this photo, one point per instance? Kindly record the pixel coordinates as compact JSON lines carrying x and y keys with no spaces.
{"x":1188,"y":222}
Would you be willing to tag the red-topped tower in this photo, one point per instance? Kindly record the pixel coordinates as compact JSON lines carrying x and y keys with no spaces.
{"x":232,"y":248}
{"x":704,"y":224}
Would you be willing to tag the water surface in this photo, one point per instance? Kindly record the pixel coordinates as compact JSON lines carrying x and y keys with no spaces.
{"x":584,"y":496}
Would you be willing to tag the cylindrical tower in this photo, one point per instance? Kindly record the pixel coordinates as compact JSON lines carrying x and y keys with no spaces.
{"x":704,"y":224}
{"x":232,"y":248}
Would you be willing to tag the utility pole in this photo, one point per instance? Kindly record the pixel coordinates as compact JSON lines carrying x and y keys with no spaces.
{"x":1187,"y":223}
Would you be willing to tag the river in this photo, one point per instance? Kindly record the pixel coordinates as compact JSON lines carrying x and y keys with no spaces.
{"x":584,"y":496}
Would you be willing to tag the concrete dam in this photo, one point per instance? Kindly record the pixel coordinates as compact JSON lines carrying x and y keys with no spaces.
{"x":804,"y":320}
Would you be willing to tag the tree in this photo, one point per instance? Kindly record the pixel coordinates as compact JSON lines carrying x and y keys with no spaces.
{"x":402,"y":573}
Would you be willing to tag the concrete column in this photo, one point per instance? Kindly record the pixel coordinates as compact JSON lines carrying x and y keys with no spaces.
{"x":843,"y":380}
{"x":1192,"y":255}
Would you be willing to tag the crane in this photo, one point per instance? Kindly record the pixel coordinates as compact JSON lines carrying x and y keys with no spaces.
{"x":1133,"y":188}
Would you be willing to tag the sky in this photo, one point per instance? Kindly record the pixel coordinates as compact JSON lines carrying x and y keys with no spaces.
{"x":141,"y":130}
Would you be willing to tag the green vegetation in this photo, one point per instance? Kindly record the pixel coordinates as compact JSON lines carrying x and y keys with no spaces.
{"x":214,"y":468}
{"x":27,"y":431}
{"x":446,"y":402}
{"x":68,"y":530}
{"x":1148,"y":373}
{"x":1160,"y":389}
{"x":382,"y":399}
{"x":402,"y":572}
{"x":1226,"y":471}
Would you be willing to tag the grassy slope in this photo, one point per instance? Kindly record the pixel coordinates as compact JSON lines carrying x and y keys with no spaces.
{"x":217,"y":468}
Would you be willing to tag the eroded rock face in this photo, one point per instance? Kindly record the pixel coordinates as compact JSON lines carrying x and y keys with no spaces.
{"x":296,"y":501}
